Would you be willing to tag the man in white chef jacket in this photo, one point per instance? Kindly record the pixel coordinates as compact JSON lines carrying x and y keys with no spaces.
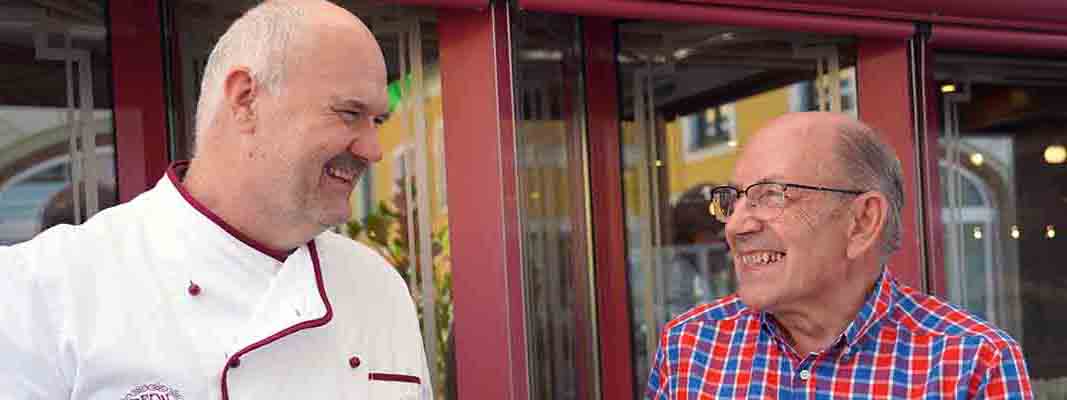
{"x":221,"y":282}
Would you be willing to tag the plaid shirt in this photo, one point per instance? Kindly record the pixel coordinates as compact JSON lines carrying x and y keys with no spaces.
{"x":903,"y":344}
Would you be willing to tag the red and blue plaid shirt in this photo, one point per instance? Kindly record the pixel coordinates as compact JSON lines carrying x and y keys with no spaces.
{"x":902,"y":344}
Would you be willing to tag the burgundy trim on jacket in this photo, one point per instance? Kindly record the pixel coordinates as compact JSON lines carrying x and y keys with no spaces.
{"x":235,"y":359}
{"x":176,"y":172}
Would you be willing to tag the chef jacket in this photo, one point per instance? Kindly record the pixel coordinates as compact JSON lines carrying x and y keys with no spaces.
{"x":159,"y":298}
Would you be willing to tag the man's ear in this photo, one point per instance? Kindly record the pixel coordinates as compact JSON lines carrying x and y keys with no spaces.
{"x":238,"y":98}
{"x":869,"y":213}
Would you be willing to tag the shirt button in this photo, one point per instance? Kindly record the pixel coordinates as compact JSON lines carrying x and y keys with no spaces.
{"x":235,"y":362}
{"x":804,"y":375}
{"x":354,"y":362}
{"x":194,"y":289}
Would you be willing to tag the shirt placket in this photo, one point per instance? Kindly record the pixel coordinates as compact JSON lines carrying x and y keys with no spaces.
{"x":802,"y":377}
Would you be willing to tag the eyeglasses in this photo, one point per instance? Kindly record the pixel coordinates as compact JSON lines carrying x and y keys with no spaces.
{"x":767,"y":199}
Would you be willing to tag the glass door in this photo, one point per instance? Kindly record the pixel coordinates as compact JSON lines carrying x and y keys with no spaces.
{"x":1003,"y":169}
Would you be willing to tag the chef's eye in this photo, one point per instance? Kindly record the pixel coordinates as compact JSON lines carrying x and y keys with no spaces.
{"x":348,"y":115}
{"x":379,"y":120}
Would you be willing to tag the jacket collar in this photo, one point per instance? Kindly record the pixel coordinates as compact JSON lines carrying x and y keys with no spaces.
{"x":175,"y":174}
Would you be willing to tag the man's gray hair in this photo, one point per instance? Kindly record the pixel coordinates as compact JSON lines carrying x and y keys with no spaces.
{"x":874,"y":166}
{"x":257,"y":40}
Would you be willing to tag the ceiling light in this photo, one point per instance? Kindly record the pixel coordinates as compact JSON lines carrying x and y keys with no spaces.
{"x":1050,"y":231}
{"x":1055,"y":154}
{"x":682,"y":53}
{"x":978,"y":233}
{"x":1015,"y":232}
{"x":948,"y":88}
{"x":977,"y":159}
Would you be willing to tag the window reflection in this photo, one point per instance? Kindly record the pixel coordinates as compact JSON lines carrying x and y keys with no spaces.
{"x":691,"y":96}
{"x":56,"y":138}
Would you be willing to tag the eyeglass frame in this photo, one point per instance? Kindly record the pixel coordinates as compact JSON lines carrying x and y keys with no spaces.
{"x":713,"y":203}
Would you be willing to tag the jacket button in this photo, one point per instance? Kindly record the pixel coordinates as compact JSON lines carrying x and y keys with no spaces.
{"x":354,"y":362}
{"x":194,"y":289}
{"x":235,"y":362}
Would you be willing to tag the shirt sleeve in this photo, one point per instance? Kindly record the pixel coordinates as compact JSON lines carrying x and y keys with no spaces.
{"x":31,"y":366}
{"x":1006,"y":377}
{"x":658,"y":377}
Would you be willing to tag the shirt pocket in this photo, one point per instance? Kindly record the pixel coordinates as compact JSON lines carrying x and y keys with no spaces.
{"x":388,"y":386}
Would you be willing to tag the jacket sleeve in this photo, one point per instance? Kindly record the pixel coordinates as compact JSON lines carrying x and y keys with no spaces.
{"x":32,"y":365}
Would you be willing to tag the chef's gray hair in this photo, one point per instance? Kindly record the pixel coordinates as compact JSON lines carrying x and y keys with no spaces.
{"x":257,"y":40}
{"x":873,"y":166}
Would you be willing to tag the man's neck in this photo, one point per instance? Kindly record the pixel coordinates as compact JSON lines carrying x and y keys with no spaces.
{"x":246,"y":216}
{"x":818,"y":324}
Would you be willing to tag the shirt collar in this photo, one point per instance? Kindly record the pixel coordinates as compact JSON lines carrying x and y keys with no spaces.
{"x":877,"y":306}
{"x":879,"y":303}
{"x":176,"y":172}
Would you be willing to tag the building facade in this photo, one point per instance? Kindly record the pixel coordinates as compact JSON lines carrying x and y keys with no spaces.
{"x":547,"y":162}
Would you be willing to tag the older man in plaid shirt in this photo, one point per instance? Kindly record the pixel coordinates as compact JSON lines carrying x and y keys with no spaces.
{"x":812,"y":216}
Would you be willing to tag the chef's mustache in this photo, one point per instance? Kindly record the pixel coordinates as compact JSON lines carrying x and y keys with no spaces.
{"x":350,"y":162}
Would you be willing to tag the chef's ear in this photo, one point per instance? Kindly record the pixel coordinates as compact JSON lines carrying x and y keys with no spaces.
{"x":238,"y":98}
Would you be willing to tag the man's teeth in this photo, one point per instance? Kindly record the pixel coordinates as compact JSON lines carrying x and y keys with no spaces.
{"x":762,"y":258}
{"x":341,"y":173}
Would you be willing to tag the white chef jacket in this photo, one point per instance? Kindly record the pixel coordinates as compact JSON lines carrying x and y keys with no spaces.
{"x":159,"y":299}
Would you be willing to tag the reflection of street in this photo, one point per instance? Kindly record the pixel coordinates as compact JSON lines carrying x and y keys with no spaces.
{"x":691,"y":275}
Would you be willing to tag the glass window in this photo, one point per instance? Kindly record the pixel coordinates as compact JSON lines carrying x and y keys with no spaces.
{"x":57,"y":152}
{"x":388,"y":203}
{"x":553,"y":207}
{"x":1004,"y":188}
{"x":691,"y":95}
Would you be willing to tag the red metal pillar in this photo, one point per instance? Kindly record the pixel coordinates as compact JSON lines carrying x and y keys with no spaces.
{"x":140,"y":113}
{"x":609,"y":225}
{"x":483,"y":216}
{"x":885,"y":103}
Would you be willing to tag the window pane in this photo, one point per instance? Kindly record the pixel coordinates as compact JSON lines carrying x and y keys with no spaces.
{"x":57,"y":153}
{"x":387,"y":202}
{"x":553,"y":207}
{"x":691,"y":95}
{"x":1004,"y":189}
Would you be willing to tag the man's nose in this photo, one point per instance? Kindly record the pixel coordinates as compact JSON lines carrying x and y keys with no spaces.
{"x":742,"y":220}
{"x":367,"y":146}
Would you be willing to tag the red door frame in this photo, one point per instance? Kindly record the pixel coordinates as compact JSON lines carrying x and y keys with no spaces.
{"x":483,"y":216}
{"x":1047,"y":15}
{"x":929,"y":121}
{"x":885,"y":103}
{"x":140,"y":111}
{"x":609,"y":224}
